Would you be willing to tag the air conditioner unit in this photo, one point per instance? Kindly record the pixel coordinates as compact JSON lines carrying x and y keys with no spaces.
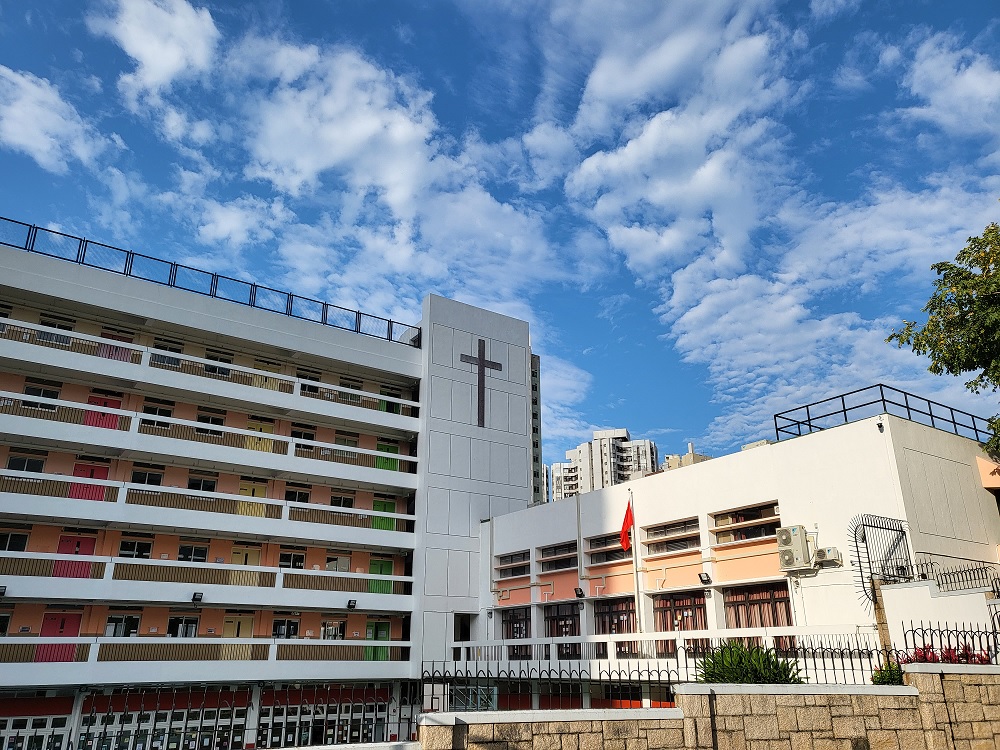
{"x":793,"y":548}
{"x":828,"y":555}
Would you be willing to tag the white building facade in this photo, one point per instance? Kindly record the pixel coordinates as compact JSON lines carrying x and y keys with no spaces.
{"x":212,"y":512}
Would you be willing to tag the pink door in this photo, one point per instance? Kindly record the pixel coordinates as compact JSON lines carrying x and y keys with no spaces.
{"x":58,"y":625}
{"x":99,"y":418}
{"x":88,"y":491}
{"x":74,"y":545}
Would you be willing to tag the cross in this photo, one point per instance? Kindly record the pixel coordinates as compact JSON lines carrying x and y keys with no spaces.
{"x":483,"y":364}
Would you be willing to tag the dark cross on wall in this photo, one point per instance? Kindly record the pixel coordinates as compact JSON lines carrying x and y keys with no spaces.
{"x":483,"y":365}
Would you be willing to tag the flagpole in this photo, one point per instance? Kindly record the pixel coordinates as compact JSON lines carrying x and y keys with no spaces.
{"x":635,"y":566}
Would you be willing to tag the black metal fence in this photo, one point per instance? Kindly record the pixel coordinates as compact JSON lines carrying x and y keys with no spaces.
{"x":874,"y":400}
{"x":86,"y":252}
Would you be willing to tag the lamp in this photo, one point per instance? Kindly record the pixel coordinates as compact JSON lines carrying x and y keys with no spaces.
{"x":196,"y":597}
{"x":352,"y":603}
{"x":579,"y":593}
{"x":705,"y":578}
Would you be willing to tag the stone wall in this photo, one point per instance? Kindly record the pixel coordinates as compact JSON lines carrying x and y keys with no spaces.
{"x":943,"y":706}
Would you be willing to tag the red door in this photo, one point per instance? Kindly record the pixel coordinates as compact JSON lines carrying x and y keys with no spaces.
{"x":100,"y":418}
{"x":58,"y":625}
{"x":88,"y":491}
{"x":74,"y":545}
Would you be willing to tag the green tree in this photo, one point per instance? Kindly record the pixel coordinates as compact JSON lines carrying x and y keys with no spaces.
{"x":962,"y":332}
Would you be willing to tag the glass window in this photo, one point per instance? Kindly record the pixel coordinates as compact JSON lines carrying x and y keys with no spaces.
{"x":339,"y":500}
{"x":202,"y":484}
{"x":297,"y":493}
{"x":764,"y":606}
{"x":4,"y":622}
{"x":157,"y":410}
{"x":41,"y":392}
{"x":294,"y":560}
{"x":563,"y":621}
{"x":333,"y":630}
{"x":135,"y":548}
{"x":285,"y":628}
{"x":338,"y":561}
{"x":121,"y":626}
{"x":26,"y":463}
{"x":146,"y":476}
{"x":182,"y":627}
{"x":349,"y":439}
{"x":11,"y":541}
{"x":303,"y":431}
{"x":212,"y":419}
{"x":192,"y":553}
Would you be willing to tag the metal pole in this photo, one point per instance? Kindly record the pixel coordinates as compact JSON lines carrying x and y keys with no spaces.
{"x":635,"y":568}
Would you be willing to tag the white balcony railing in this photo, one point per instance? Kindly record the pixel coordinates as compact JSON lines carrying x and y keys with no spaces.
{"x":71,"y":412}
{"x":87,"y":345}
{"x":103,"y":490}
{"x":108,"y":569}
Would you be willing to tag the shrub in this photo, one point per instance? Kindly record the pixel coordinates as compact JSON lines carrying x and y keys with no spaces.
{"x":733,"y":662}
{"x":962,"y":655}
{"x":889,"y":673}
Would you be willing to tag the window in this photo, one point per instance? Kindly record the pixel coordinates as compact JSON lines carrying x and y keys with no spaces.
{"x":607,"y":548}
{"x":213,"y":417}
{"x":25,"y":463}
{"x":166,"y":345}
{"x":135,"y":548}
{"x":349,"y":439}
{"x":674,"y":545}
{"x":612,"y":616}
{"x":201,"y":484}
{"x":294,"y":560}
{"x":285,"y":628}
{"x":159,"y":408}
{"x":59,"y":322}
{"x":303,"y":431}
{"x":192,"y":553}
{"x":354,"y":385}
{"x":215,"y":355}
{"x":4,"y":623}
{"x":340,"y":499}
{"x":182,"y":627}
{"x":679,"y":611}
{"x":764,"y":606}
{"x":121,"y":626}
{"x":338,"y":561}
{"x":513,"y":565}
{"x":765,"y":515}
{"x":46,"y":390}
{"x":563,"y":621}
{"x":12,"y":541}
{"x":558,"y":557}
{"x":297,"y":493}
{"x":147,"y":474}
{"x":312,"y":376}
{"x":333,"y":630}
{"x":673,"y":537}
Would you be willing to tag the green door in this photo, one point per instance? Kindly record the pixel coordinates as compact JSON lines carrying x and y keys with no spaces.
{"x":380,"y":568}
{"x":381,"y":522}
{"x":377,"y":631}
{"x":392,"y":464}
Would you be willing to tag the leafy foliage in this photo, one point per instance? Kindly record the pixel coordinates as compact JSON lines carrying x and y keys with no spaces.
{"x":889,"y":673}
{"x":962,"y":332}
{"x":735,"y":663}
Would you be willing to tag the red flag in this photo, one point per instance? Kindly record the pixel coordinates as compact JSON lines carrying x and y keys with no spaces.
{"x":627,"y":524}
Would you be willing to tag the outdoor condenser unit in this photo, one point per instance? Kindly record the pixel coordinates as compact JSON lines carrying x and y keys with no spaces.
{"x":793,"y":548}
{"x":828,"y":555}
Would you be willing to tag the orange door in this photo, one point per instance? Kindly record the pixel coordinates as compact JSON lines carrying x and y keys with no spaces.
{"x":58,"y":625}
{"x":100,"y":418}
{"x":74,"y":545}
{"x":88,"y":491}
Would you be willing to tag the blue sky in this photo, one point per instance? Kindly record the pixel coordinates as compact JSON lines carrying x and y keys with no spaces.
{"x":709,"y":211}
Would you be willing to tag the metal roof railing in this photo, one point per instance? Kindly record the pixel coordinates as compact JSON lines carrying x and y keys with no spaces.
{"x":86,"y":252}
{"x":879,"y":399}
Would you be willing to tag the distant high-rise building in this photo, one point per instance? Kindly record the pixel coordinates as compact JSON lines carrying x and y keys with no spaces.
{"x":612,"y":457}
{"x":676,"y":461}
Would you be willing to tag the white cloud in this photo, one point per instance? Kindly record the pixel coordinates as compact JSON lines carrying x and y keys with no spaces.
{"x":959,"y":88}
{"x":167,"y":39}
{"x":245,"y":219}
{"x":36,"y":121}
{"x":827,"y":9}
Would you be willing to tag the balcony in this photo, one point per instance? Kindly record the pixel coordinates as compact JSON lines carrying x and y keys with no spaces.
{"x":260,"y":386}
{"x":124,"y":501}
{"x":43,"y":576}
{"x":171,"y":436}
{"x":31,"y":661}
